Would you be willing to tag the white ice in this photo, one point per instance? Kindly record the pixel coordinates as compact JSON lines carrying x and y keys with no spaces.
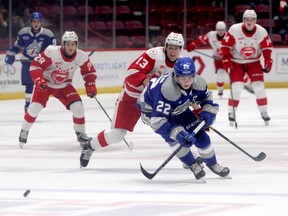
{"x":113,"y":185}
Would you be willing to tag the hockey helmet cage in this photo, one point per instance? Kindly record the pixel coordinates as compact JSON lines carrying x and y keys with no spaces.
{"x":36,"y":16}
{"x":184,"y":66}
{"x":174,"y":39}
{"x":220,"y":25}
{"x":69,"y":36}
{"x":250,"y":14}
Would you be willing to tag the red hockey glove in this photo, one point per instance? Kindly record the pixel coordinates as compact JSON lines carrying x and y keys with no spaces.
{"x":196,"y":113}
{"x":91,"y":90}
{"x":40,"y":84}
{"x":268,"y":65}
{"x":191,"y":46}
{"x":227,"y":64}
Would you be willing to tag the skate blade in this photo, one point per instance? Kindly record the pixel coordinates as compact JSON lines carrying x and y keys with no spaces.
{"x":227,"y":177}
{"x":201,"y":180}
{"x":266,"y":123}
{"x":21,"y":145}
{"x":232,"y":123}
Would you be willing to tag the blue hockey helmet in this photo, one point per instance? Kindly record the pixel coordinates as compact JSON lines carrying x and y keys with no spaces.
{"x":184,"y":66}
{"x":37,"y":16}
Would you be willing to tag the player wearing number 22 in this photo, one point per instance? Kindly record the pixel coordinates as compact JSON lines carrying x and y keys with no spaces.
{"x":242,"y":47}
{"x":166,"y":105}
{"x":52,"y":72}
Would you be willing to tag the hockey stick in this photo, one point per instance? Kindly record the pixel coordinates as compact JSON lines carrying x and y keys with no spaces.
{"x":261,"y":156}
{"x":91,"y":53}
{"x":232,"y":98}
{"x":151,"y":175}
{"x":129,"y":144}
{"x":204,"y":54}
{"x":23,"y":60}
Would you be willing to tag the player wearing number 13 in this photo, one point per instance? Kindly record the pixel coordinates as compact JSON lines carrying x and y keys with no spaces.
{"x":152,"y":63}
{"x":166,"y":106}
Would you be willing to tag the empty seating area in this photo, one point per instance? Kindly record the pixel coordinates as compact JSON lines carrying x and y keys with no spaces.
{"x":130,"y":26}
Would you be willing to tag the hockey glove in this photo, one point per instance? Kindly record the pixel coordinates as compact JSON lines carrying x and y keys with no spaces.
{"x":227,"y":64}
{"x":268,"y":65}
{"x":191,"y":46}
{"x":9,"y":59}
{"x":185,"y":139}
{"x":40,"y":84}
{"x":208,"y":114}
{"x":91,"y":90}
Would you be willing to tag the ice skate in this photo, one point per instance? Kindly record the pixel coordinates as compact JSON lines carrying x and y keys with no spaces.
{"x":265,"y":117}
{"x":198,"y":172}
{"x":249,"y":89}
{"x":231,"y":118}
{"x":86,"y":154}
{"x":220,"y":93}
{"x":23,"y":138}
{"x":82,"y":138}
{"x":198,"y":161}
{"x":219,"y":170}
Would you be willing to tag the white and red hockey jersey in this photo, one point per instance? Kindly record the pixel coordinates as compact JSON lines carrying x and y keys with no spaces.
{"x":57,"y":70}
{"x":214,"y":41}
{"x":245,"y":48}
{"x":151,"y":63}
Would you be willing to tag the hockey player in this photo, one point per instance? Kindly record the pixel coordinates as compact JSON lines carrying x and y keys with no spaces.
{"x":248,"y":41}
{"x":214,"y":38}
{"x":152,"y":63}
{"x":31,"y":40}
{"x":166,"y":106}
{"x":52,"y":73}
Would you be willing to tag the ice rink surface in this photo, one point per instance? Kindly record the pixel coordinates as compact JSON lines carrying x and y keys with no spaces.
{"x":113,"y":185}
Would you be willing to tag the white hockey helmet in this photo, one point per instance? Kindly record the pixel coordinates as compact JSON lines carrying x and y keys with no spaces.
{"x":175,"y":39}
{"x":250,"y":14}
{"x":220,"y":25}
{"x":69,"y":36}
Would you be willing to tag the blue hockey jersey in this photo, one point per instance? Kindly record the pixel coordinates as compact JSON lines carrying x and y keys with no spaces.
{"x":32,"y":44}
{"x":163,"y":103}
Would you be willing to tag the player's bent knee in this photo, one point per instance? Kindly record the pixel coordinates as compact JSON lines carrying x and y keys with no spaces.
{"x":183,"y":152}
{"x":77,"y":109}
{"x":115,"y":135}
{"x":258,"y":86}
{"x":34,"y":109}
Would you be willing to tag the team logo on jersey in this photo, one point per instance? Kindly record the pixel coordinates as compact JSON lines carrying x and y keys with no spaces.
{"x":34,"y":49}
{"x":247,"y":52}
{"x":153,"y":51}
{"x":60,"y":76}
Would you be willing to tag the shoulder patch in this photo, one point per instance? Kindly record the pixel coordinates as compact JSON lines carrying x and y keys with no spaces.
{"x":24,"y":30}
{"x":153,"y":51}
{"x":170,"y":90}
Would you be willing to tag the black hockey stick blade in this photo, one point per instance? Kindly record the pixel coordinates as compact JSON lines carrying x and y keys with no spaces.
{"x":260,"y":157}
{"x":147,"y":174}
{"x":151,"y":175}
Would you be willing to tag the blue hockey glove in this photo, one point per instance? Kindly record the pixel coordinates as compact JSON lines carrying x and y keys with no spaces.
{"x":185,"y":139}
{"x":9,"y":59}
{"x":208,"y":114}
